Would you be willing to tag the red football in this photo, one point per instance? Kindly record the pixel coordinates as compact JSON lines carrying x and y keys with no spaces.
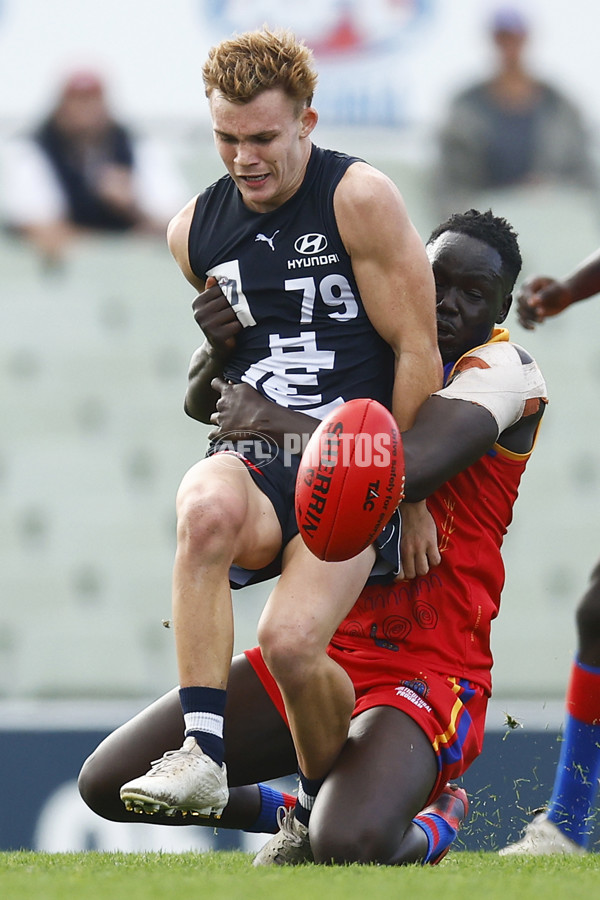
{"x":350,"y":480}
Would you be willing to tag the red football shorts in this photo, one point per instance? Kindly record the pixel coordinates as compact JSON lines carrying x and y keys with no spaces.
{"x":451,"y":711}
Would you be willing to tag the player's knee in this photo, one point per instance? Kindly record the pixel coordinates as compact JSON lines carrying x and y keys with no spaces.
{"x":98,"y":791}
{"x":290,"y":657}
{"x":208,"y":520}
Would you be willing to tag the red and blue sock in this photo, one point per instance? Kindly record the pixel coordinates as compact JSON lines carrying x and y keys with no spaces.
{"x":576,"y":780}
{"x":270,"y":801}
{"x":441,"y":820}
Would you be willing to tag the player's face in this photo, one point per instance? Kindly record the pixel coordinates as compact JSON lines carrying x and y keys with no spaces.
{"x":264,"y":144}
{"x":471,"y":294}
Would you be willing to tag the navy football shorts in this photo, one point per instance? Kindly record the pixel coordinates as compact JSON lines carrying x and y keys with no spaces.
{"x":274,"y":473}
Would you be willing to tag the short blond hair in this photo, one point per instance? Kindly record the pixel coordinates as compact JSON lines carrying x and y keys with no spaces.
{"x":242,"y":67}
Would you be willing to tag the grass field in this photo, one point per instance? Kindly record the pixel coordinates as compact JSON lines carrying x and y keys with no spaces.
{"x":230,"y":876}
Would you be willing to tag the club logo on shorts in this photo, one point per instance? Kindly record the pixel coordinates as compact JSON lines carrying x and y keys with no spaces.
{"x":415,"y":690}
{"x":417,"y":685}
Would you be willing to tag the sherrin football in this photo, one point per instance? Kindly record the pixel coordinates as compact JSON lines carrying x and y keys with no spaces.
{"x":350,"y":480}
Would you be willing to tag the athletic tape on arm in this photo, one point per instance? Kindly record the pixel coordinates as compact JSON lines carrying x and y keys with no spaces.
{"x":496,"y":377}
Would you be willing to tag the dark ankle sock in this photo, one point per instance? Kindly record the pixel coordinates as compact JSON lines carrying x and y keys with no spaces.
{"x":203,"y":709}
{"x":307,"y":794}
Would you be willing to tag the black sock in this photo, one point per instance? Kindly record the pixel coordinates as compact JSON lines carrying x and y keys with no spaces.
{"x":203,"y":709}
{"x":307,"y":793}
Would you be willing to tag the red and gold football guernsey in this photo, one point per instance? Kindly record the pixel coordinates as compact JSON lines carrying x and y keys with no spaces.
{"x":442,"y":621}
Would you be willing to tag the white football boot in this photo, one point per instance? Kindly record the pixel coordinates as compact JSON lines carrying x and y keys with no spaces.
{"x":185,"y":780}
{"x":289,"y":847}
{"x":542,"y":838}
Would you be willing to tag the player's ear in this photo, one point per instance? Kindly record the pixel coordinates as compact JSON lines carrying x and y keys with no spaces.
{"x":308,"y":119}
{"x":504,"y":309}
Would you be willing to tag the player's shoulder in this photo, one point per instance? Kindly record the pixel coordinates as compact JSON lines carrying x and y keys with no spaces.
{"x":367,"y":197}
{"x":371,"y":177}
{"x":365,"y":183}
{"x":497,"y":353}
{"x":504,"y":364}
{"x":179,"y":225}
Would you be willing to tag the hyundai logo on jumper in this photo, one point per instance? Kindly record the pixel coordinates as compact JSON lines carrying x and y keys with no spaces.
{"x":311,"y":247}
{"x":311,"y":243}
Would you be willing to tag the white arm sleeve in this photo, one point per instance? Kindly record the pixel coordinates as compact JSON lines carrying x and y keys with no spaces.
{"x":31,"y":193}
{"x":160,"y":188}
{"x":501,"y":377}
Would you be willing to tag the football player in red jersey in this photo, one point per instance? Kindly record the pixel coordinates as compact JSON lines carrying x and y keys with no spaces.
{"x":565,"y":825}
{"x":417,"y":650}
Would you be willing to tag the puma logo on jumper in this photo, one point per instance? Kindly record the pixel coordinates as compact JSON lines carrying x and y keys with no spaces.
{"x":268,"y":240}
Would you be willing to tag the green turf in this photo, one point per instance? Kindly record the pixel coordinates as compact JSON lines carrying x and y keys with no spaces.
{"x":230,"y":876}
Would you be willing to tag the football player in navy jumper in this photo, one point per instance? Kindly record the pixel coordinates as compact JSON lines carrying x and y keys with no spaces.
{"x":333,"y":298}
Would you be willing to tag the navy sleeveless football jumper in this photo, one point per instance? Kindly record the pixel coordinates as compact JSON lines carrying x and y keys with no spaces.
{"x":306,"y":343}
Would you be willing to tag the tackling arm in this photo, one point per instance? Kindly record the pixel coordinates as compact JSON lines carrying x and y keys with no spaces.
{"x":500,"y":400}
{"x":241,"y":409}
{"x":448,"y":436}
{"x":213,"y":315}
{"x":200,"y":398}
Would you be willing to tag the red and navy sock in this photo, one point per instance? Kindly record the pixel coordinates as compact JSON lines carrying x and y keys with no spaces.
{"x":203,"y":709}
{"x":270,"y":801}
{"x":308,"y":789}
{"x":578,"y":770}
{"x":441,"y":820}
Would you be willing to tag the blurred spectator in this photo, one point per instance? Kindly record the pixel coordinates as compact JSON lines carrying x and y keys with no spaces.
{"x":511,"y":128}
{"x":82,"y":171}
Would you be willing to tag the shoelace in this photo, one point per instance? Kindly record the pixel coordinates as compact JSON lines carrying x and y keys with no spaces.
{"x":285,"y":820}
{"x":158,"y":764}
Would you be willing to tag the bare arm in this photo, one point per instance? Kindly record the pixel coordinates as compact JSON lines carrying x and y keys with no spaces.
{"x":213,"y":315}
{"x":448,"y":436}
{"x":200,"y":398}
{"x":178,"y":232}
{"x":395,"y":281}
{"x":541,"y":297}
{"x":220,"y":326}
{"x":241,"y":409}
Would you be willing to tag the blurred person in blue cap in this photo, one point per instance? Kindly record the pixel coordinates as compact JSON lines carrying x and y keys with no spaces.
{"x":81,"y":170}
{"x":512,"y":128}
